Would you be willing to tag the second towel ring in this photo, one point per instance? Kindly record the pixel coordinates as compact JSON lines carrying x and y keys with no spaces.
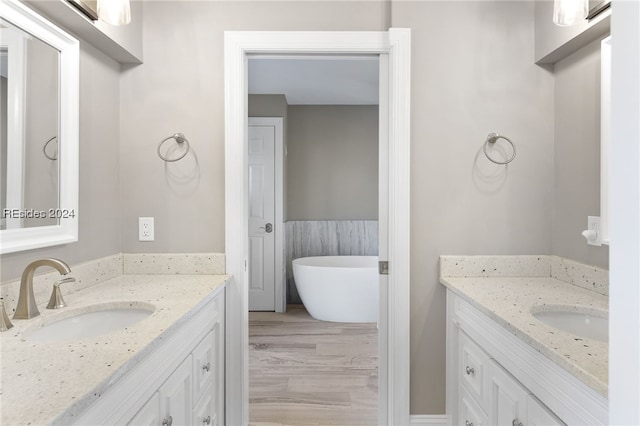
{"x":44,"y":150}
{"x":178,"y":137}
{"x":493,"y":138}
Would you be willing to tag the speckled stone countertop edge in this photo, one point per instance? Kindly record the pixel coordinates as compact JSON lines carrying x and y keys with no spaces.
{"x":573,"y":368}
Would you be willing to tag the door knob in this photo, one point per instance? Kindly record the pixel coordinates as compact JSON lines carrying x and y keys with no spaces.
{"x":268,"y":228}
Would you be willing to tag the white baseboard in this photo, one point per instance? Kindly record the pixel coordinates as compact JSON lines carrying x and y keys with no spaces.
{"x":429,"y":420}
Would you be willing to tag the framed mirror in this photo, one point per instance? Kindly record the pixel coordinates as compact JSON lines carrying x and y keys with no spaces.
{"x":39,"y":112}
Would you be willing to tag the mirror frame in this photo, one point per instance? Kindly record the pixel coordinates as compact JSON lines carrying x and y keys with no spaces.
{"x":66,"y":231}
{"x":605,"y":135}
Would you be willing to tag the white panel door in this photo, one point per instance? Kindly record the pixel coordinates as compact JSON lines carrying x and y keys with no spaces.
{"x":261,"y":218}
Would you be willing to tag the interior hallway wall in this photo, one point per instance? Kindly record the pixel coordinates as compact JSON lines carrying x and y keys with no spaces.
{"x":100,"y":209}
{"x":577,"y":154}
{"x":332,"y":162}
{"x":472,"y":74}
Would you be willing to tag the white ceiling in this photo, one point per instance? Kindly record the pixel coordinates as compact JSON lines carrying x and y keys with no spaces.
{"x":319,"y":80}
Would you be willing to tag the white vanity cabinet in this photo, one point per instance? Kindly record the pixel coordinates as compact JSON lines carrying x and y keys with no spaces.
{"x":180,"y":383}
{"x":489,"y":395}
{"x":481,"y":391}
{"x":171,"y":404}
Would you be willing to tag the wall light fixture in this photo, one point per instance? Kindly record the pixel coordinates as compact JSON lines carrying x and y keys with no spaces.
{"x":114,"y":12}
{"x":568,"y":12}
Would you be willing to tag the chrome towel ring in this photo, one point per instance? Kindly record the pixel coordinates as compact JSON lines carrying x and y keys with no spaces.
{"x":493,"y":138}
{"x":180,"y":139}
{"x":44,"y":150}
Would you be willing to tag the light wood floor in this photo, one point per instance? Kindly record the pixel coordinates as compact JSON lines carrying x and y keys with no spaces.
{"x":308,"y":372}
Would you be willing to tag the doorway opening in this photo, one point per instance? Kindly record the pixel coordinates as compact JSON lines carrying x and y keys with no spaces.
{"x":313,"y":159}
{"x":393,"y":48}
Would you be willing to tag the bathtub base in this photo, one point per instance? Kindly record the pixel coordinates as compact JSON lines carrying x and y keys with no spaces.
{"x":339,"y":288}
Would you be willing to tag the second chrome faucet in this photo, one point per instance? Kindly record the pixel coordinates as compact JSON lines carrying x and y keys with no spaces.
{"x":27,"y":307}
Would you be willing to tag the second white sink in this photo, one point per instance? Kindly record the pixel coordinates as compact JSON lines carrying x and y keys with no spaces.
{"x":590,"y":325}
{"x":91,"y":321}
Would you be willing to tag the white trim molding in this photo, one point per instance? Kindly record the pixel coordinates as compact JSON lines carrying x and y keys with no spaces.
{"x":428,"y":420}
{"x":624,"y":216}
{"x":396,"y":43}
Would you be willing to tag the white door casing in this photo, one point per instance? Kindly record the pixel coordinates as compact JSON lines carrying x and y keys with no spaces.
{"x":261,"y":178}
{"x":394,"y":351}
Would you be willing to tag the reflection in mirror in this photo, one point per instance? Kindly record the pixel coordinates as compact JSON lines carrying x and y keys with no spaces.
{"x":39,"y":78}
{"x":30,"y":120}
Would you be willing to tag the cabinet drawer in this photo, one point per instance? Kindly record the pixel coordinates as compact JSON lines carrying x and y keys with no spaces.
{"x":203,"y":366}
{"x":472,"y":367}
{"x":470,"y":413}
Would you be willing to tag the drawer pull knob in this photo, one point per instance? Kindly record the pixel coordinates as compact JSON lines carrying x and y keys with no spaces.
{"x":168,"y":421}
{"x":207,"y":367}
{"x":468,"y":423}
{"x":470,"y":371}
{"x":207,"y":420}
{"x":516,"y":422}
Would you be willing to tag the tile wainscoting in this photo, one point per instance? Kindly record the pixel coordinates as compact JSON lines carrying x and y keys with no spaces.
{"x":327,"y":238}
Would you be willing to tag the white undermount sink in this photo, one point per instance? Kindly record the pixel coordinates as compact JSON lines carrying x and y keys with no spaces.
{"x":587,"y":324}
{"x":90,"y":321}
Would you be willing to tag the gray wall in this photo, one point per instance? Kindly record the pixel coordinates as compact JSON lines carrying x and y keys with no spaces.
{"x":577,"y":154}
{"x":180,"y":88}
{"x":472,"y":73}
{"x":268,"y":106}
{"x":332,"y":162}
{"x":100,"y":208}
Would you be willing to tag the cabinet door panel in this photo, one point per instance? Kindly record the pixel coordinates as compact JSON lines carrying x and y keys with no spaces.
{"x":508,"y":397}
{"x":149,"y":414}
{"x":205,"y":412}
{"x":471,"y":366}
{"x":470,"y":414}
{"x":175,"y":395}
{"x":204,"y":366}
{"x":539,"y":415}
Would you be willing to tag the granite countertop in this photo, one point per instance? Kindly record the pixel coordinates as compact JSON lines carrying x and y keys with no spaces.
{"x":44,"y":382}
{"x":510,"y":300}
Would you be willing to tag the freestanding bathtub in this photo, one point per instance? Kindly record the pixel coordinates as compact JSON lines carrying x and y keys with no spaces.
{"x":338,"y":288}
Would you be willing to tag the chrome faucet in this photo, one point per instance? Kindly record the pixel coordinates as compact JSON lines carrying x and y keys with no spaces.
{"x":27,"y":307}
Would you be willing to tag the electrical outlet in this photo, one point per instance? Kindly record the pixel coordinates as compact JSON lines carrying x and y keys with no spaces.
{"x":593,"y":224}
{"x":145,"y":229}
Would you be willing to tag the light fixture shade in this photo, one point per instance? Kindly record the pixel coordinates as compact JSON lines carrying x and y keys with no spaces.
{"x":569,"y":12}
{"x":114,"y":12}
